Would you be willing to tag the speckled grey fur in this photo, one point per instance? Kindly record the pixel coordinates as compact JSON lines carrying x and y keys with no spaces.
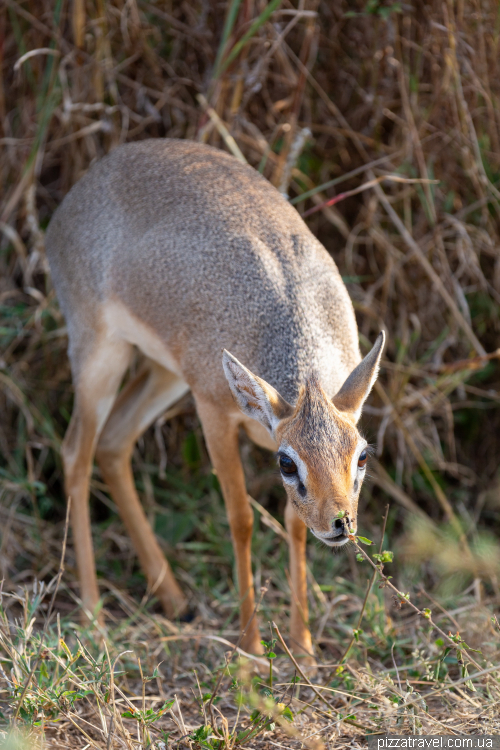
{"x":208,"y":254}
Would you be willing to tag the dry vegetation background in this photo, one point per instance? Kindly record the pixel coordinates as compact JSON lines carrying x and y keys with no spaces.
{"x":322,"y":96}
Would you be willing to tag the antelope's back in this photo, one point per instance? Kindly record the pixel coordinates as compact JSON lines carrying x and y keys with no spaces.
{"x":208,"y":255}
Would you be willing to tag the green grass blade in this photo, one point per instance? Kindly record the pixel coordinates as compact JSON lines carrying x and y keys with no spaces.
{"x":228,"y":27}
{"x":260,"y":21}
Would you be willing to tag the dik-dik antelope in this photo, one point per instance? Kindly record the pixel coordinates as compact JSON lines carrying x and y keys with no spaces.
{"x":194,"y":258}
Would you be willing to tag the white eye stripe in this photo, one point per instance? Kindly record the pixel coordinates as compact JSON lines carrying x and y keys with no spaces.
{"x":287,"y":450}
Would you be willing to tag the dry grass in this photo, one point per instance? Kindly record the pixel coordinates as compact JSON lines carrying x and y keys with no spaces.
{"x":322,"y":97}
{"x":151,"y":682}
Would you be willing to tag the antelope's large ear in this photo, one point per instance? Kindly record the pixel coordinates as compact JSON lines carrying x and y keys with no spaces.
{"x":255,"y":397}
{"x":358,"y":385}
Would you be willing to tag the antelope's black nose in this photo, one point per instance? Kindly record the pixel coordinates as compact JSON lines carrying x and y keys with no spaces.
{"x":339,"y":523}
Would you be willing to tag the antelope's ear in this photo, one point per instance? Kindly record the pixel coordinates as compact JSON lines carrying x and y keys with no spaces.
{"x":358,"y":385}
{"x":255,"y":397}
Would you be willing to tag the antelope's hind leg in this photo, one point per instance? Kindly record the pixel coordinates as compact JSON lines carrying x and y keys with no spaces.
{"x":98,"y":365}
{"x":142,"y":400}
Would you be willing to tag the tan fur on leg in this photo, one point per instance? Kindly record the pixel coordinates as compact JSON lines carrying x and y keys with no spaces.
{"x":221,"y":435}
{"x":77,"y":453}
{"x":299,"y":630}
{"x":97,"y":377}
{"x":152,"y":391}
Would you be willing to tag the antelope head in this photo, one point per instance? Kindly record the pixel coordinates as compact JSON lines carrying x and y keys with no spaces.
{"x":321,"y":455}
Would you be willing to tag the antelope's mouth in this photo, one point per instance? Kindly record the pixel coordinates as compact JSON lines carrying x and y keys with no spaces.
{"x":332,"y":540}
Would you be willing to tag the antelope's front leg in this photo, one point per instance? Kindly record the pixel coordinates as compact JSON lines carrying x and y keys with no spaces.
{"x":221,"y":435}
{"x":299,"y":626}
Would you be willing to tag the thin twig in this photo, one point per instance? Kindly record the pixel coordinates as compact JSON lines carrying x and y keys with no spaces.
{"x":224,"y":132}
{"x":396,"y":667}
{"x":366,"y":186}
{"x":370,"y":584}
{"x":298,"y":668}
{"x":402,"y":598}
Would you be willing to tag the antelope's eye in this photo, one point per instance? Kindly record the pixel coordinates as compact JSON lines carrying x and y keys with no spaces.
{"x":363,"y":458}
{"x":287,"y":466}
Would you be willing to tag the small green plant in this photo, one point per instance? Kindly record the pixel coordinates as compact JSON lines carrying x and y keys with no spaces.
{"x":384,"y":557}
{"x":204,"y":737}
{"x":356,"y":633}
{"x":269,"y":653}
{"x":148,"y":716}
